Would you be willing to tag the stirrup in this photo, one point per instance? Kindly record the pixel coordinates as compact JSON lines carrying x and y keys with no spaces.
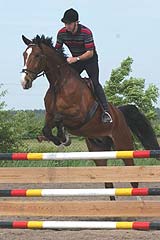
{"x":106,"y":117}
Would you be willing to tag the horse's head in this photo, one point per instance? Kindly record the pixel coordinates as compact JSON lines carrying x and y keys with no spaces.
{"x":34,"y":62}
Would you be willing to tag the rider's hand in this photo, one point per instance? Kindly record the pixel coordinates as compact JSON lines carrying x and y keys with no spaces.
{"x":71,"y":60}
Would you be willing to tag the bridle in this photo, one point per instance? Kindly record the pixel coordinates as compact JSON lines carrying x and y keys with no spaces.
{"x":43,"y":72}
{"x":25,"y":70}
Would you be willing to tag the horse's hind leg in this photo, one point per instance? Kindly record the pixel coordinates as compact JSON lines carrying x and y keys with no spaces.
{"x":102,"y":144}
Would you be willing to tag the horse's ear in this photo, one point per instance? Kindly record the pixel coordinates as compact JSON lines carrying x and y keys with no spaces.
{"x":26,"y":40}
{"x":38,"y":40}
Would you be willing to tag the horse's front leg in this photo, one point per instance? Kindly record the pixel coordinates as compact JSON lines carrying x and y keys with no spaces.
{"x":63,"y":135}
{"x":47,"y":131}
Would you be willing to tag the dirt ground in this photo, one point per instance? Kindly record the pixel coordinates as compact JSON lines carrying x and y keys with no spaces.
{"x":43,"y":234}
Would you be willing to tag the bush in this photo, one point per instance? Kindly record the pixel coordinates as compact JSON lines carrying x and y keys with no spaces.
{"x":10,"y":133}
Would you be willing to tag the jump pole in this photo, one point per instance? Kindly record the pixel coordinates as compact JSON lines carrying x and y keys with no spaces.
{"x":80,"y":192}
{"x":80,"y":225}
{"x":81,"y":155}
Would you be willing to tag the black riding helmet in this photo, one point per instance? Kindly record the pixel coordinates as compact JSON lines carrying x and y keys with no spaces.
{"x":70,"y":16}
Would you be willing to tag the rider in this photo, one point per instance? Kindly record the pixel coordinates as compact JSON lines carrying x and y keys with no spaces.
{"x":79,"y":40}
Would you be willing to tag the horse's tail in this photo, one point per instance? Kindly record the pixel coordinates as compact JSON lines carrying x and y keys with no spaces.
{"x":140,"y":126}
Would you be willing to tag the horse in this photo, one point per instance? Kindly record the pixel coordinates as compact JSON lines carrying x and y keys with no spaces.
{"x":70,"y":104}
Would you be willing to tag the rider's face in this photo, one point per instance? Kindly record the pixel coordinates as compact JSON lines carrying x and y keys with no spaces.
{"x":71,"y":27}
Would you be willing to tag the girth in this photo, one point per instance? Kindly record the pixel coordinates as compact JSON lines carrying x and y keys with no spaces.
{"x":88,"y":117}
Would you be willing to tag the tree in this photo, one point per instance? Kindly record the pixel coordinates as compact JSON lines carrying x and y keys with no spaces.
{"x":10,"y":134}
{"x":124,"y":89}
{"x":30,"y":124}
{"x":2,"y":94}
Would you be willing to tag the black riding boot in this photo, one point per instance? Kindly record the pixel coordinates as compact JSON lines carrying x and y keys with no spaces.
{"x":106,"y":117}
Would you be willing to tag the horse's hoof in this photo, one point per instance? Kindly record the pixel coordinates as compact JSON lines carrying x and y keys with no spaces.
{"x":55,"y":140}
{"x":66,"y":143}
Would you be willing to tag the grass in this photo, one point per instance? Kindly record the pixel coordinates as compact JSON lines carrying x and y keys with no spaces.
{"x":76,"y":146}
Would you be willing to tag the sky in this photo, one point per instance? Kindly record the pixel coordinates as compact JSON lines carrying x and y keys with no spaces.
{"x":121,"y":28}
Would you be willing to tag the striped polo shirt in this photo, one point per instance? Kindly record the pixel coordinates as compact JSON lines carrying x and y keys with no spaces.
{"x":78,"y":43}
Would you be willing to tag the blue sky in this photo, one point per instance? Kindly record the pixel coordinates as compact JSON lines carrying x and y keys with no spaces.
{"x":121,"y":28}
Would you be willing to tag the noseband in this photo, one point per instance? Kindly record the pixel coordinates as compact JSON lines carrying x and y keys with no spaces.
{"x":25,"y":70}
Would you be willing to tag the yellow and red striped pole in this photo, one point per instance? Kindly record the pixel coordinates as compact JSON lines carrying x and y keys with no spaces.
{"x":80,"y":192}
{"x":81,"y":155}
{"x":80,"y":225}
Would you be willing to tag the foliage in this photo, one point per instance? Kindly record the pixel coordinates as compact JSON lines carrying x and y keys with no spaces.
{"x":2,"y":94}
{"x":10,"y":134}
{"x":29,"y":123}
{"x":15,"y":126}
{"x":123,"y":89}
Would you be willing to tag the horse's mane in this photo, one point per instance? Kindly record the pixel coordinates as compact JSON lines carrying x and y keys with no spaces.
{"x":48,"y":42}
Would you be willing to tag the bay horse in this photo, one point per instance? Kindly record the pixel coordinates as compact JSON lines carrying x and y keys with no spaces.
{"x":70,"y":104}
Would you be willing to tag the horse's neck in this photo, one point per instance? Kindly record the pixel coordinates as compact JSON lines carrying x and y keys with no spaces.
{"x":59,"y":72}
{"x":52,"y":67}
